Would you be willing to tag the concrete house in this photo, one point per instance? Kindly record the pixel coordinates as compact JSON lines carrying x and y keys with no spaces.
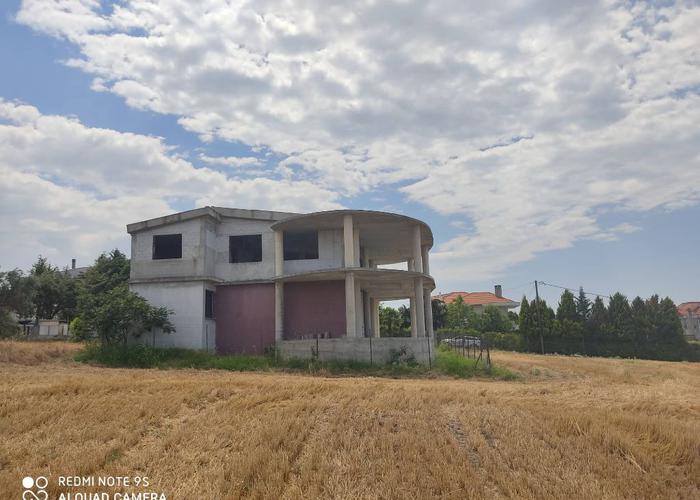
{"x":479,"y":300}
{"x":242,"y":281}
{"x":690,"y":319}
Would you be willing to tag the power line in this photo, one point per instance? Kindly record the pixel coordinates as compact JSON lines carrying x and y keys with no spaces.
{"x":574,"y":290}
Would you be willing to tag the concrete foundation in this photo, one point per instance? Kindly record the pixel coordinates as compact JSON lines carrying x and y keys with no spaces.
{"x":376,"y":350}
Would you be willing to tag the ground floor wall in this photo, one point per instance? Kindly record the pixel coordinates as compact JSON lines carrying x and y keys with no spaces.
{"x":186,"y":301}
{"x":245,"y":318}
{"x":376,"y":350}
{"x":314,"y":308}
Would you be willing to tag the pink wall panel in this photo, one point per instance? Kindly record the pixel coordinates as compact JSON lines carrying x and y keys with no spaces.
{"x":245,"y":318}
{"x":314,"y":307}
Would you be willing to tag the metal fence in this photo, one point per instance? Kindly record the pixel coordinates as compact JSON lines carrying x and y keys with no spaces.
{"x":470,"y":347}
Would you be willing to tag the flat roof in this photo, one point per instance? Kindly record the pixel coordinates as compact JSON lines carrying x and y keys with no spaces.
{"x":215,"y":213}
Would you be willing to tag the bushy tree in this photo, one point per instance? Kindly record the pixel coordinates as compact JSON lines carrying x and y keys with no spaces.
{"x":55,"y":292}
{"x":460,"y":315}
{"x":390,"y":322}
{"x":17,"y":293}
{"x":123,"y":313}
{"x":493,"y":320}
{"x":439,"y":313}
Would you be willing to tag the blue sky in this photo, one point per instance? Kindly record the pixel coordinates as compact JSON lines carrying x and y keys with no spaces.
{"x":110,"y":115}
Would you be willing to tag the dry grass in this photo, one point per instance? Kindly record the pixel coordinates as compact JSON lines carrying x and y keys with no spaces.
{"x":576,"y":428}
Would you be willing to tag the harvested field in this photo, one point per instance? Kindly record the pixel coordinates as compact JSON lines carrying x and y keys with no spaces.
{"x":570,"y":427}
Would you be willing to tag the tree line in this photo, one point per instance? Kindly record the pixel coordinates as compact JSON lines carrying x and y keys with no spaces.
{"x":97,"y":303}
{"x":645,"y":328}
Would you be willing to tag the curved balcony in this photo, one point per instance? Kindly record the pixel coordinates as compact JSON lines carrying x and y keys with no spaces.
{"x":369,"y":239}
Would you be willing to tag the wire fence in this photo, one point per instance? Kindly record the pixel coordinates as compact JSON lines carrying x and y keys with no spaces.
{"x":472,"y":347}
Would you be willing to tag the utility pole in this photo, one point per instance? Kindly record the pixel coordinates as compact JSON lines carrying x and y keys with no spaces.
{"x":539,"y":316}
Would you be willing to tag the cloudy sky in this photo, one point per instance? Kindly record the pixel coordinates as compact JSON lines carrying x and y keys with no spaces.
{"x":547,"y":140}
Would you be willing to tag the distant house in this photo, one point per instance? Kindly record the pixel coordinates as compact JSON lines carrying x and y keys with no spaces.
{"x":690,"y":319}
{"x":479,"y":300}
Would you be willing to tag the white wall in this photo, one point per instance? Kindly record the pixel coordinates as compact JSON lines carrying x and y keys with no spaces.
{"x":244,"y":271}
{"x":330,"y":254}
{"x":186,"y":300}
{"x":190,"y":265}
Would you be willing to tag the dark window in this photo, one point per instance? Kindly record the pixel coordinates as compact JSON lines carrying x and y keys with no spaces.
{"x":208,"y":304}
{"x":167,"y":246}
{"x":247,"y":248}
{"x":301,"y":245}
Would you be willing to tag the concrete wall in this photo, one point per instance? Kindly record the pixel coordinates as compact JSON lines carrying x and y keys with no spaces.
{"x":192,"y":263}
{"x":186,"y":300}
{"x":245,"y":318}
{"x":330,"y":254}
{"x":358,"y":349}
{"x":244,"y":271}
{"x":314,"y":308}
{"x":205,"y":252}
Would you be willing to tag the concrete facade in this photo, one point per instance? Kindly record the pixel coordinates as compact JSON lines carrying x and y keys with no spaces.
{"x":331,"y":286}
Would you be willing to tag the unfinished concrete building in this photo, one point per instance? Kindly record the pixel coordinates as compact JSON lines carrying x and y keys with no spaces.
{"x":243,"y":281}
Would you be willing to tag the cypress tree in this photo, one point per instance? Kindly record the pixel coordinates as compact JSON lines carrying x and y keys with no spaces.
{"x":583,"y":306}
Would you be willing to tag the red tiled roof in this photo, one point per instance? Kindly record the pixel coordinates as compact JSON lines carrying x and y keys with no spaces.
{"x":474,"y":298}
{"x":689,"y":307}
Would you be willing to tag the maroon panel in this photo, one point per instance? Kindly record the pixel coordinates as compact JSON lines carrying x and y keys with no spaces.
{"x":314,"y":307}
{"x":245,"y":318}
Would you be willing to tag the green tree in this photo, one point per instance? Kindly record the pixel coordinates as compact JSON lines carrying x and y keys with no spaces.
{"x":525,"y":321}
{"x":55,"y":293}
{"x":583,"y":306}
{"x":17,"y":293}
{"x":124,"y":313}
{"x":642,"y":329}
{"x":566,"y":311}
{"x":668,"y":325}
{"x":619,"y":315}
{"x":460,"y":315}
{"x":110,"y":271}
{"x":493,"y":320}
{"x":439,"y":313}
{"x":390,"y":322}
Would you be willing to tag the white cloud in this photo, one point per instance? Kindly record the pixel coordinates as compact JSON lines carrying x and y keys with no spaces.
{"x":357,"y":97}
{"x":69,"y":190}
{"x":232,"y":161}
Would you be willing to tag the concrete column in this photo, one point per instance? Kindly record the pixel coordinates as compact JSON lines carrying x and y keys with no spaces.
{"x":411,"y":264}
{"x":348,"y":241}
{"x":279,"y":253}
{"x":417,"y":250}
{"x":356,"y":247}
{"x":426,"y":259}
{"x":420,"y":308}
{"x":279,"y":311}
{"x":367,"y":313}
{"x":350,"y":329}
{"x":375,"y":318}
{"x":428,"y":313}
{"x":414,"y":323}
